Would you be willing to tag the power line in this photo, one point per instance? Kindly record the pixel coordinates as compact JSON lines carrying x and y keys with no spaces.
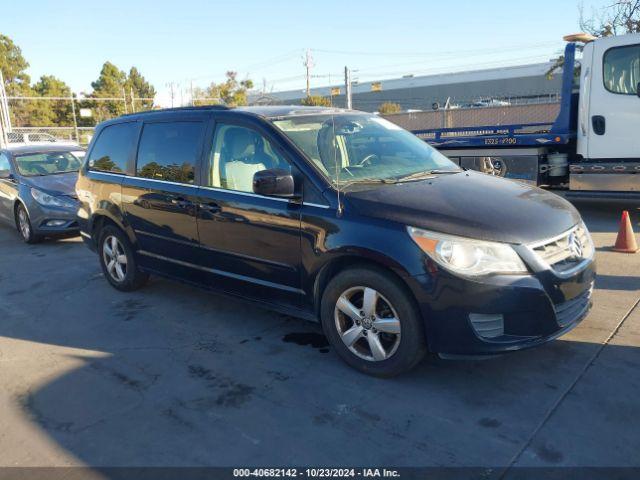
{"x":256,"y":66}
{"x":465,"y":67}
{"x":408,"y":64}
{"x":439,"y":53}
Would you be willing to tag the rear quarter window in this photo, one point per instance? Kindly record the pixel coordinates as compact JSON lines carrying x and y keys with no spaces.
{"x":113,"y":147}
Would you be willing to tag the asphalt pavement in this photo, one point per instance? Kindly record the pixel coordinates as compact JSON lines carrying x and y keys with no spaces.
{"x":176,"y":376}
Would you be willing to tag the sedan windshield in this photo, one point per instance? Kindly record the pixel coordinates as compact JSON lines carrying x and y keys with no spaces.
{"x":360,"y":148}
{"x":49,"y":163}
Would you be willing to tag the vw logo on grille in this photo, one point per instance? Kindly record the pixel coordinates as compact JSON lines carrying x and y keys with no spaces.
{"x":575,"y":245}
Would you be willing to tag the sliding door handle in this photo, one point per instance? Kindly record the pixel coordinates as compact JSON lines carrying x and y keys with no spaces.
{"x":181,"y":202}
{"x":210,"y":207}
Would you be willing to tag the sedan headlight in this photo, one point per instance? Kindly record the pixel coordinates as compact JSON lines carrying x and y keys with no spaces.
{"x":50,"y":200}
{"x":467,"y":256}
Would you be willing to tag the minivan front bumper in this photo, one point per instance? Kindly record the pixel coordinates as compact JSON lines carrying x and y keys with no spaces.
{"x":500,"y":313}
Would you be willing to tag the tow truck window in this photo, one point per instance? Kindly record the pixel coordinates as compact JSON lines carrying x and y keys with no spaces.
{"x":621,"y":67}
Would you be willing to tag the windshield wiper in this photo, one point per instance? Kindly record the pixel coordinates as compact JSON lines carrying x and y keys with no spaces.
{"x":368,"y":180}
{"x":426,"y":173}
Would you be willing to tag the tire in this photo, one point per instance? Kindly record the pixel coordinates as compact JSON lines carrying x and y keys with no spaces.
{"x":23,"y":224}
{"x":394,"y":341}
{"x":118,"y":262}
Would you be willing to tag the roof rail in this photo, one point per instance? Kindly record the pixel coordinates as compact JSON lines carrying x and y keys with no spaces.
{"x":179,"y":109}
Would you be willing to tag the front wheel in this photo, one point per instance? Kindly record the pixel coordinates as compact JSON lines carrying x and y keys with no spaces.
{"x":118,"y":261}
{"x":372,"y":323}
{"x":23,"y":223}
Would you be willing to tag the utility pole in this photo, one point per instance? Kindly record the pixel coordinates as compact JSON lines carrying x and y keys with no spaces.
{"x":5,"y":120}
{"x":308,"y":65}
{"x":347,"y":87}
{"x":193,"y":102}
{"x":133,"y":104}
{"x":124,"y":100}
{"x":171,"y":89}
{"x":75,"y":118}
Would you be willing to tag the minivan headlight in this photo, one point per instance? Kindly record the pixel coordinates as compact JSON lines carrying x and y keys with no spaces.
{"x":467,"y":256}
{"x":50,"y":200}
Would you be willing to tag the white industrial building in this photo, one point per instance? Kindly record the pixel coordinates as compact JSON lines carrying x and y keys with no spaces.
{"x":517,"y":84}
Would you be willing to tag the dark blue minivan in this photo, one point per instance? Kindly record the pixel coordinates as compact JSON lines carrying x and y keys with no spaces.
{"x":340,"y":217}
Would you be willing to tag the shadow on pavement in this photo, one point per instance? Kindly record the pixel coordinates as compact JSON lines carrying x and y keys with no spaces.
{"x":175,"y":376}
{"x":213,"y":383}
{"x":617,"y":282}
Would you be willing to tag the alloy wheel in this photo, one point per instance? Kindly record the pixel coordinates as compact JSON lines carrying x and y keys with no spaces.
{"x":367,"y":323}
{"x":23,"y":223}
{"x":114,"y":258}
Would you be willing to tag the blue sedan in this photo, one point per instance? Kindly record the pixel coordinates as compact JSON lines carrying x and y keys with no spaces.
{"x":37,"y":190}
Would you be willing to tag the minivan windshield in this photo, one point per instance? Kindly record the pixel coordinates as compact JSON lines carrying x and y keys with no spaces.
{"x":361,"y":148}
{"x":49,"y":163}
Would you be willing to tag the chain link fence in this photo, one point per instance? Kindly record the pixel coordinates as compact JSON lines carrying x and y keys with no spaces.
{"x":61,"y":119}
{"x":79,"y":135}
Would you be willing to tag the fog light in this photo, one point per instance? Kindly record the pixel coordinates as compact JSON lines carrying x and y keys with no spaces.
{"x":487,"y":325}
{"x":55,"y":223}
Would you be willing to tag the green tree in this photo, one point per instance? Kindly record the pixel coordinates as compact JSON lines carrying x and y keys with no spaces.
{"x":232,"y":92}
{"x":116,"y":84}
{"x":141,"y":88}
{"x":387,"y":108}
{"x":110,"y":84}
{"x":16,"y":80}
{"x":12,"y":64}
{"x":47,"y":113}
{"x":316,"y":101}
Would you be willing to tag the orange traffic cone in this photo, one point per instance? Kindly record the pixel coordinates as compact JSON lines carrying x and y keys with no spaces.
{"x":626,"y":241}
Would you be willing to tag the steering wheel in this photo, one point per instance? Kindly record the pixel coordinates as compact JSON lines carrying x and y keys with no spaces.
{"x":368,"y":160}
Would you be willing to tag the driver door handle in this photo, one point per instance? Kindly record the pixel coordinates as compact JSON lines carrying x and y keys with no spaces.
{"x":599,"y":125}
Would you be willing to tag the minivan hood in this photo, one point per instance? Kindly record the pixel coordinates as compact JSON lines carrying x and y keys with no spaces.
{"x":57,"y":184}
{"x":470,"y":204}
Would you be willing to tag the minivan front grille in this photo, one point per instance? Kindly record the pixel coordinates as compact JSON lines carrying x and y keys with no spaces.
{"x":567,"y":251}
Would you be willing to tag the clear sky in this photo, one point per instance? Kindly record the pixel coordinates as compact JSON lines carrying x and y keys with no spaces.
{"x":178,"y":41}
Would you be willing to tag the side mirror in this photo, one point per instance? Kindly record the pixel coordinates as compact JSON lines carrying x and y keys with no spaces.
{"x":274,"y":182}
{"x":6,"y":174}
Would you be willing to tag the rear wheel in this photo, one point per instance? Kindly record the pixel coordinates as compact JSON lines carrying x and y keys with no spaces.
{"x":372,"y":323}
{"x":23,"y":223}
{"x":118,"y":261}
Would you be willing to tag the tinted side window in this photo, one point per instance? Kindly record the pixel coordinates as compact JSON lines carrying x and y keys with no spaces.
{"x":112,"y":148}
{"x":237,"y":154}
{"x":4,"y":162}
{"x":621,"y":69}
{"x":169,"y":151}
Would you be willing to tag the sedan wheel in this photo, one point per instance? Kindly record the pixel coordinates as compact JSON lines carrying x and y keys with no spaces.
{"x":114,"y":258}
{"x":367,"y":323}
{"x":23,"y":224}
